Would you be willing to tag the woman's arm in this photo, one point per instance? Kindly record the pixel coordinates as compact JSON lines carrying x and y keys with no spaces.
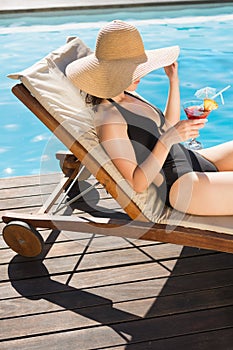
{"x":114,"y":138}
{"x":115,"y":141}
{"x":172,"y":110}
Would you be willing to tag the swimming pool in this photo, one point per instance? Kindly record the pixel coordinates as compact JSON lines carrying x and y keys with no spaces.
{"x":205,"y":39}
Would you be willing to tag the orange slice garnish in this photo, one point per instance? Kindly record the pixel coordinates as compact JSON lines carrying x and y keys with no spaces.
{"x":210,"y":105}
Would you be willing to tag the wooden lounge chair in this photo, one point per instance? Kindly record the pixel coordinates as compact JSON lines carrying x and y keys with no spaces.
{"x":46,"y":91}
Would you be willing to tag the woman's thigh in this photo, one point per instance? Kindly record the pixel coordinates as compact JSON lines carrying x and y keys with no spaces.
{"x":203,"y":193}
{"x":221,"y":155}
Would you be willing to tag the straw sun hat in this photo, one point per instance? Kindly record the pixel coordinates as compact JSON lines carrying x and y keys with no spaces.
{"x":118,"y":60}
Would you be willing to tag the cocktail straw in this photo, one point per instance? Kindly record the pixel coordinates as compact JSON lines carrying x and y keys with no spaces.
{"x":220,"y":93}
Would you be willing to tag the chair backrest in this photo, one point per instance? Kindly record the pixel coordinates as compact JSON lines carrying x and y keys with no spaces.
{"x":73,"y":124}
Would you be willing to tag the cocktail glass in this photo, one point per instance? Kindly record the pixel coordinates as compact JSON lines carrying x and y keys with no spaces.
{"x":194,"y":109}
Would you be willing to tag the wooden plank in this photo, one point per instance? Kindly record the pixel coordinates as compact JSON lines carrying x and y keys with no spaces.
{"x":106,"y":281}
{"x":96,"y":261}
{"x":156,"y":305}
{"x":63,"y":243}
{"x":214,"y":340}
{"x":36,"y":190}
{"x":19,"y":192}
{"x":29,"y":196}
{"x":89,"y":325}
{"x":32,"y":180}
{"x":101,"y":337}
{"x":148,"y":287}
{"x":203,"y":263}
{"x":107,"y":314}
{"x":38,"y":200}
{"x":22,"y":202}
{"x":146,"y":279}
{"x":114,"y":252}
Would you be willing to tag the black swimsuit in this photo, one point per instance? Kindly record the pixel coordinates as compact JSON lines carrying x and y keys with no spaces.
{"x":144,"y":134}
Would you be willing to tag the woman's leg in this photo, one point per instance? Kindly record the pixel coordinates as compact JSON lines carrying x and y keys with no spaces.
{"x":220,"y":155}
{"x":203,"y":193}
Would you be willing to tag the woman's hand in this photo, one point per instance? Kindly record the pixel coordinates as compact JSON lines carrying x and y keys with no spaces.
{"x":172,"y":71}
{"x":182,"y":131}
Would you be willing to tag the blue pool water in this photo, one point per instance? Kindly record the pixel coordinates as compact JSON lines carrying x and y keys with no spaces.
{"x":206,"y":59}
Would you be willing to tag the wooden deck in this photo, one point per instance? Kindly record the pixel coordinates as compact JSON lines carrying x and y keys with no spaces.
{"x":97,"y":292}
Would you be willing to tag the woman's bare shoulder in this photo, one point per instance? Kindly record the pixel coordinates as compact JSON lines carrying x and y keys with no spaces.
{"x":107,"y":114}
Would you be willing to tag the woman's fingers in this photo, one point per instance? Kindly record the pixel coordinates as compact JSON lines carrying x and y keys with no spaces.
{"x":183,"y":130}
{"x":187,"y":129}
{"x":171,"y":70}
{"x":197,"y":121}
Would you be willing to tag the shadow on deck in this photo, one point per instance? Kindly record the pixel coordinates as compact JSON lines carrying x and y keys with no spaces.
{"x":95,"y":292}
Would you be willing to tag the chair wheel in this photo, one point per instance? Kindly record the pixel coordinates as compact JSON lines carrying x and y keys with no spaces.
{"x":23,"y":238}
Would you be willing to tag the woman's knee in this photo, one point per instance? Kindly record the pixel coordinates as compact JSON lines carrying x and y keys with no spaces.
{"x":221,"y":155}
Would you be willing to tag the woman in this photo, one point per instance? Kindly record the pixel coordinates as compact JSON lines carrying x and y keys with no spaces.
{"x":145,"y":144}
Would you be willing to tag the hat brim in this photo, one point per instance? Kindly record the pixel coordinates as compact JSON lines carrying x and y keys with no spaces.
{"x":157,"y":59}
{"x":108,"y":79}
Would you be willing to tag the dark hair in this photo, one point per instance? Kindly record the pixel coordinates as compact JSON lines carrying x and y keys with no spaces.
{"x":93,"y":100}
